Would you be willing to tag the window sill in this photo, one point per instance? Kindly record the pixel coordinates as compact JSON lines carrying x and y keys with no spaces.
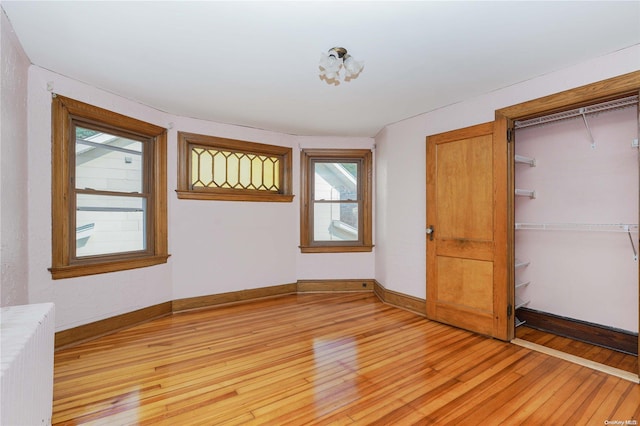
{"x":207,"y":195}
{"x":336,"y":249}
{"x":71,"y":271}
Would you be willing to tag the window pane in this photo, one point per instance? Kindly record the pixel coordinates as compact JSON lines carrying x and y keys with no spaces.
{"x":214,"y":168}
{"x":108,"y":225}
{"x":107,"y":162}
{"x":335,"y":222}
{"x":335,"y":181}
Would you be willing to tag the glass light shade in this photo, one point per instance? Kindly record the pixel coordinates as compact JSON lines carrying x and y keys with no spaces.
{"x":352,"y":67}
{"x":332,"y":62}
{"x":331,"y":75}
{"x":330,"y":65}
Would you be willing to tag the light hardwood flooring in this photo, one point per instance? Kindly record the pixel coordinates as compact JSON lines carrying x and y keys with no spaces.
{"x":324,"y":359}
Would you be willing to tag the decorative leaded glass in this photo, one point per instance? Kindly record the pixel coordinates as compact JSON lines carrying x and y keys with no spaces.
{"x":214,"y":168}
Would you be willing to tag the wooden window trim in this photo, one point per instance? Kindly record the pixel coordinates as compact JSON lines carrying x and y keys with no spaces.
{"x":365,"y":181}
{"x":185,"y":191}
{"x":64,"y":112}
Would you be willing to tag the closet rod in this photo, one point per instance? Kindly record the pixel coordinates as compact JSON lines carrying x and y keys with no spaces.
{"x":579,"y":112}
{"x":604,"y":227}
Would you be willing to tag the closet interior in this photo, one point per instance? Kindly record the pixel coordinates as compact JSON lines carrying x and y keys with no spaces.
{"x":576,"y":210}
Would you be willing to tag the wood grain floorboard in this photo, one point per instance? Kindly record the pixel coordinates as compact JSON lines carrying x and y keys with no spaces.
{"x":323,"y":359}
{"x":594,"y":353}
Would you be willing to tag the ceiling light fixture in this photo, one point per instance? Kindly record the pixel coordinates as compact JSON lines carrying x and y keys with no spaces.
{"x":336,"y":59}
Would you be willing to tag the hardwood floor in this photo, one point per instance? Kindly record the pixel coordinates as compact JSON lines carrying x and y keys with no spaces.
{"x":324,"y":359}
{"x":594,"y":353}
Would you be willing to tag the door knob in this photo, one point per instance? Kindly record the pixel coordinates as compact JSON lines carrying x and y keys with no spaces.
{"x":430,"y":231}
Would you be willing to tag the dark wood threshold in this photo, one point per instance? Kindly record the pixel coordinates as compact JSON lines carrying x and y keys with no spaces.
{"x":572,"y":349}
{"x":595,"y":334}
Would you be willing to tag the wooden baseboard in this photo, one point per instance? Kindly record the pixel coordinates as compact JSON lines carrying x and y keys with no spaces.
{"x":95,"y":329}
{"x":231,"y":297}
{"x":401,"y":300}
{"x":308,"y":286}
{"x":595,"y":334}
{"x":302,"y":286}
{"x":109,"y":325}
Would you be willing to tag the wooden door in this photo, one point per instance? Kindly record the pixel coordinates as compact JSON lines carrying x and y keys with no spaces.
{"x":638,"y":154}
{"x":467,"y":277}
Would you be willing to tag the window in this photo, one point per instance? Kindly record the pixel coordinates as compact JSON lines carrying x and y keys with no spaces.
{"x":212,"y":168}
{"x":108,"y":191}
{"x":336,"y":201}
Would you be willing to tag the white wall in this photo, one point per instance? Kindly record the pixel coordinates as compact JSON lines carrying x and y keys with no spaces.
{"x":332,"y":265}
{"x":13,"y":168}
{"x":401,"y":208}
{"x":401,"y":170}
{"x":84,"y":299}
{"x":215,"y":246}
{"x":224,"y":246}
{"x":585,"y":275}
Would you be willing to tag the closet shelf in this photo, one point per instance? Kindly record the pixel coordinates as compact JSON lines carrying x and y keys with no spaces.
{"x":523,"y":284}
{"x":521,"y":263}
{"x":579,"y":112}
{"x":526,"y":193}
{"x":519,"y":322}
{"x":602,"y":227}
{"x":521,"y":159}
{"x":521,"y":303}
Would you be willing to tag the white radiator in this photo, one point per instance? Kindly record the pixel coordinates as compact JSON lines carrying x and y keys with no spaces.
{"x":26,"y":343}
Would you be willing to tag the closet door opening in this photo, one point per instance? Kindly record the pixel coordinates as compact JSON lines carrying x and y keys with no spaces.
{"x":606,"y":227}
{"x":576,"y":232}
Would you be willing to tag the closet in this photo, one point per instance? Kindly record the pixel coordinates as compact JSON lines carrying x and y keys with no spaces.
{"x":576,"y":201}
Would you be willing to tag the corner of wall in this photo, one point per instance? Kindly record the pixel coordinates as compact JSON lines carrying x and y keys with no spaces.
{"x":13,"y":168}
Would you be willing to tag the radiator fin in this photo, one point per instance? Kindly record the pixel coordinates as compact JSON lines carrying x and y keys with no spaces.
{"x":26,"y":370}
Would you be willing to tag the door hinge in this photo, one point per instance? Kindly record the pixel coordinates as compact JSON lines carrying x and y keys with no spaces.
{"x":509,"y":311}
{"x":510,"y":134}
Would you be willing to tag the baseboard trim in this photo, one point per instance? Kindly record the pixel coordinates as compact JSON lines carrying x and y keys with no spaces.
{"x":109,"y":325}
{"x":232,"y":297}
{"x":310,"y":286}
{"x":595,"y":334}
{"x":401,"y":300}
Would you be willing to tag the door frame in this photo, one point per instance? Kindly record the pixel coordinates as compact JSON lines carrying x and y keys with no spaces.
{"x":602,"y":91}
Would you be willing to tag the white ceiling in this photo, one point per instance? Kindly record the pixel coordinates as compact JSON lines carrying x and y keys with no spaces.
{"x":256,"y":63}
